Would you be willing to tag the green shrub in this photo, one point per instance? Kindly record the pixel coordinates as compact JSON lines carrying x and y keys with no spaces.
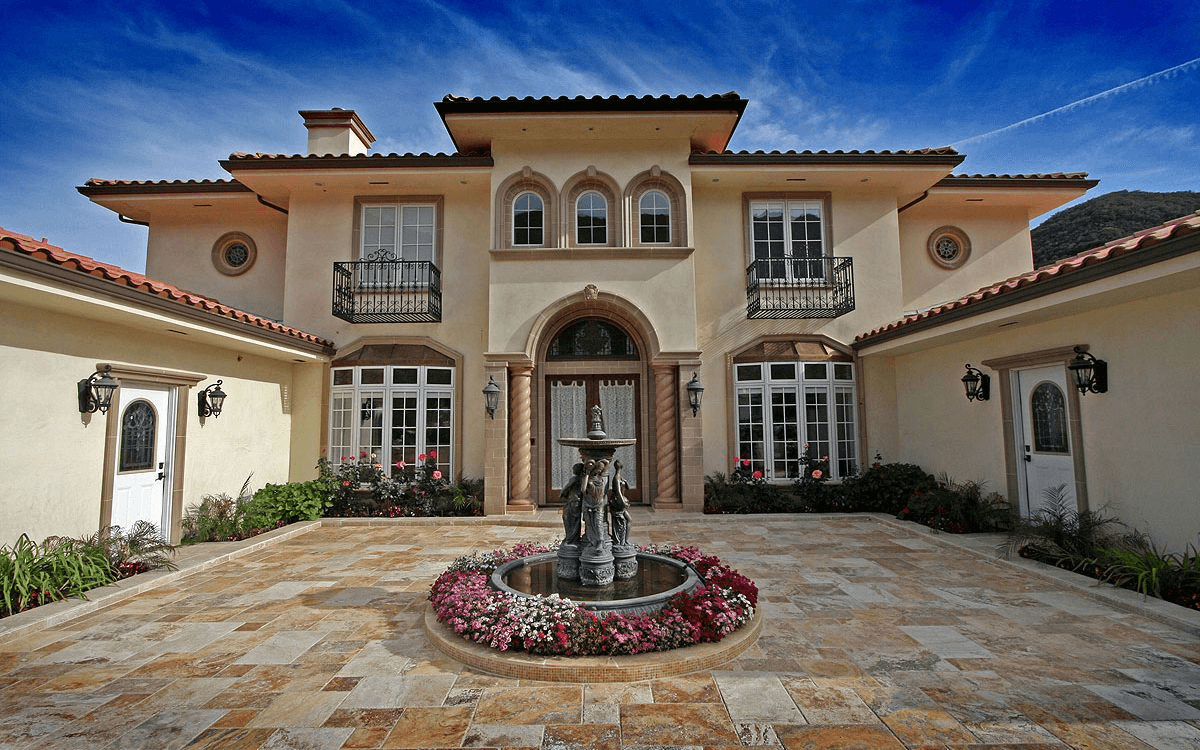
{"x":743,"y":492}
{"x":214,"y":518}
{"x":1062,"y":535}
{"x":884,"y":488}
{"x":294,"y":501}
{"x":958,"y":508}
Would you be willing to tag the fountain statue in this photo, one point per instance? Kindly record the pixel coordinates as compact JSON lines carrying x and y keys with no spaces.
{"x":595,"y":564}
{"x":595,"y":548}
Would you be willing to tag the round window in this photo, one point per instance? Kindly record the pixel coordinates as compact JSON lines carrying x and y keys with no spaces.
{"x":234,"y":253}
{"x":949,"y":247}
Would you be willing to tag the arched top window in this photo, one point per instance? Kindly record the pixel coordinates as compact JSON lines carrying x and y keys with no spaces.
{"x":1049,"y":409}
{"x":654,"y":217}
{"x":528,"y":220}
{"x":137,"y":436}
{"x":591,"y":219}
{"x":592,"y":339}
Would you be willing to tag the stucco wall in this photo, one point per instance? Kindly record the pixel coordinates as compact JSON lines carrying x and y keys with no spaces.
{"x":51,"y":471}
{"x":1140,"y":439}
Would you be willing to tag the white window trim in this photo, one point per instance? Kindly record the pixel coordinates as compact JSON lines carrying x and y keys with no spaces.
{"x":667,"y":198}
{"x":513,"y":237}
{"x":788,"y":261}
{"x":607,"y":215}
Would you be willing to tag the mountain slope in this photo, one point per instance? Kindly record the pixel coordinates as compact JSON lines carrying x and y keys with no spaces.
{"x":1106,"y":218}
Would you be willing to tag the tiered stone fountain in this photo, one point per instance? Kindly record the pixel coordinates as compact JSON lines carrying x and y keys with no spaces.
{"x":595,"y":564}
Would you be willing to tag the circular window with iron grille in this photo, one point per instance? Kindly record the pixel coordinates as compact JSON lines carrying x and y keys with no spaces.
{"x":949,"y":247}
{"x":234,"y":253}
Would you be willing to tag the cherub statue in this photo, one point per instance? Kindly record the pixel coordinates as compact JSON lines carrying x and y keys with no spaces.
{"x":618,"y":506}
{"x":573,"y":508}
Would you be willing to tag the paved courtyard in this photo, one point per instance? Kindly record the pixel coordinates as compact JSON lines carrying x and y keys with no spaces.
{"x":877,"y":634}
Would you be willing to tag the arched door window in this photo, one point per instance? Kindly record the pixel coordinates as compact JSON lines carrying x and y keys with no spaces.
{"x":654,"y":210}
{"x":137,"y":436}
{"x":1049,"y":409}
{"x":528,"y":219}
{"x":591,"y":219}
{"x":592,"y":339}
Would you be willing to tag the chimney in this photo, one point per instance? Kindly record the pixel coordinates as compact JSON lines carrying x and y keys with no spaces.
{"x":336,"y":131}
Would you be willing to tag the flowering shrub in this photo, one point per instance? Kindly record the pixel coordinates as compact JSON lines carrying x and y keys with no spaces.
{"x":464,"y":600}
{"x":809,"y":486}
{"x":364,"y":487}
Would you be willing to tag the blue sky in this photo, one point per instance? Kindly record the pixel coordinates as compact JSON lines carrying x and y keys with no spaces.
{"x":149,"y":91}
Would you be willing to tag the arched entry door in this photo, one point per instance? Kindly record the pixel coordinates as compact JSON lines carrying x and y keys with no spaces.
{"x":591,"y":362}
{"x":1044,"y":431}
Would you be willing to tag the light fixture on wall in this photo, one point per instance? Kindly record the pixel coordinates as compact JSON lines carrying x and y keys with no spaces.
{"x":210,"y":401}
{"x":491,"y":397}
{"x":695,"y":393}
{"x":1090,"y":374}
{"x":96,"y":392}
{"x":977,"y":384}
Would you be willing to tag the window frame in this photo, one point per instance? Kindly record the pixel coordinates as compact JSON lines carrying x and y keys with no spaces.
{"x":399,"y":202}
{"x":764,"y":438}
{"x":387,"y":391}
{"x":790,"y":262}
{"x":655,"y":227}
{"x":593,"y":242}
{"x":541,"y":228}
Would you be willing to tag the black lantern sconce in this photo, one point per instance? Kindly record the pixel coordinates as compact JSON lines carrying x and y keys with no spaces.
{"x":491,"y":397}
{"x":695,"y":393}
{"x":210,"y":401}
{"x":1090,"y":374}
{"x":96,"y":392}
{"x":977,"y":384}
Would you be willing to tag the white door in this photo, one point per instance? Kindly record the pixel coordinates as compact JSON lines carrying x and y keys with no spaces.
{"x":143,"y":458}
{"x":1044,"y":437}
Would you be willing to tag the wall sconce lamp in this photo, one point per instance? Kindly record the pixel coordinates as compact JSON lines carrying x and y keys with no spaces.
{"x":977,"y":384}
{"x":210,"y":401}
{"x":96,"y":392}
{"x":695,"y":394}
{"x":1090,"y":374}
{"x":491,"y":397}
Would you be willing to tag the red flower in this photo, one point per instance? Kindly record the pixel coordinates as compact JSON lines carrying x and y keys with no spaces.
{"x":343,"y":458}
{"x":421,"y":457}
{"x":433,"y":454}
{"x":345,"y":482}
{"x":745,"y":462}
{"x":817,"y":474}
{"x":757,"y":475}
{"x":400,"y":464}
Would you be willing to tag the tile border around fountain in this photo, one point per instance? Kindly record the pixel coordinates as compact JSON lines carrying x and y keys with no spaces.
{"x":586,"y":669}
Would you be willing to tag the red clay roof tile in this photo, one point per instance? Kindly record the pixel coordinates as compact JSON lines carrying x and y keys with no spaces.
{"x":57,"y":256}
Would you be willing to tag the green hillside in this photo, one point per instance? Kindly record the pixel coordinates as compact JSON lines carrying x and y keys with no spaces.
{"x":1106,"y":218}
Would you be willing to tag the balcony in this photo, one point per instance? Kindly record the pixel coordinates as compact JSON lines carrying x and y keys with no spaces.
{"x":800,"y":288}
{"x":385,"y":290}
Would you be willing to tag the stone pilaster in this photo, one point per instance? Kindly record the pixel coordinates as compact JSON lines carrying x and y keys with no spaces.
{"x":666,"y":411}
{"x":520,"y":458}
{"x":495,"y":447}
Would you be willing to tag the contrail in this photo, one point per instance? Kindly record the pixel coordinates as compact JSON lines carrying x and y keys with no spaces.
{"x":1094,"y":97}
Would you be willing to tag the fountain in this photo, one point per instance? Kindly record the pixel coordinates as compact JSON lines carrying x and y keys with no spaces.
{"x":595,"y":564}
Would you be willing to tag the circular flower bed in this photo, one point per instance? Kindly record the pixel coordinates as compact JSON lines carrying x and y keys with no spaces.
{"x":464,"y":600}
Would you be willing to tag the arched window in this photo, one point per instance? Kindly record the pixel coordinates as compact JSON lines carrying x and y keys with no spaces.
{"x":1049,"y":410}
{"x":528,"y":219}
{"x":592,"y":339}
{"x":137,"y":436}
{"x":654,"y":210}
{"x":591,"y":219}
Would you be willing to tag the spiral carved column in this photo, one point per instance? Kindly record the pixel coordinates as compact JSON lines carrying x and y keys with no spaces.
{"x":520,"y":426}
{"x":666,"y":406}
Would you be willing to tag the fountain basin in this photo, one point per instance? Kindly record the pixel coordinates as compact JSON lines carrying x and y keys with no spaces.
{"x":657,"y":580}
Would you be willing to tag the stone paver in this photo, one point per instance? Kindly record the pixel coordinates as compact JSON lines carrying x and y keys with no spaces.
{"x":877,"y":634}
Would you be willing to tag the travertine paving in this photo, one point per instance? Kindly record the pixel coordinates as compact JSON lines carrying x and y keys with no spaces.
{"x":877,"y":635}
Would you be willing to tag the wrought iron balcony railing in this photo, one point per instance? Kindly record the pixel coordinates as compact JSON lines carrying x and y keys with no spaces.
{"x":382,"y":289}
{"x":800,"y":287}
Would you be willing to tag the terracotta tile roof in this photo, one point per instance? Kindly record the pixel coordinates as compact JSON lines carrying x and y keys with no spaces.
{"x":945,"y":156}
{"x":1134,"y":243}
{"x":243,"y":160}
{"x":452,"y":104}
{"x":1051,"y":179}
{"x":943,"y":150}
{"x":53,"y":255}
{"x":97,"y":186}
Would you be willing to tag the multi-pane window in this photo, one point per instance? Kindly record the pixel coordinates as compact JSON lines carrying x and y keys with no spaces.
{"x":654,"y":210}
{"x":398,"y":231}
{"x":788,"y":239}
{"x":394,"y":412}
{"x":783,"y":405}
{"x":528,"y":222}
{"x":591,"y":219}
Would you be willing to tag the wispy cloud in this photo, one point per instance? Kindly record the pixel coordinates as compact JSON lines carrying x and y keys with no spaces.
{"x":1149,"y":80}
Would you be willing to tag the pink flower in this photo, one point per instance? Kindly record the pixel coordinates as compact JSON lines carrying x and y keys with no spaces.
{"x":757,"y":475}
{"x":824,"y":458}
{"x":437,"y":475}
{"x":737,"y":461}
{"x":817,"y":474}
{"x":421,"y":457}
{"x":806,"y":446}
{"x":433,"y":454}
{"x":400,"y":464}
{"x":345,"y":482}
{"x":745,"y":462}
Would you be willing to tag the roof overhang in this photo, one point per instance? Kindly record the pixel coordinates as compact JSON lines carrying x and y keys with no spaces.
{"x":706,"y":122}
{"x":906,"y":174}
{"x":140,"y":200}
{"x":1035,"y":194}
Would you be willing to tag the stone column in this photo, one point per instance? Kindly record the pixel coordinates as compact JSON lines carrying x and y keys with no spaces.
{"x":520,"y":458}
{"x":666,"y":410}
{"x":495,"y":444}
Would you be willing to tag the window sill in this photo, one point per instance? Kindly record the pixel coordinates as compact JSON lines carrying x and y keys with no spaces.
{"x":592,"y":253}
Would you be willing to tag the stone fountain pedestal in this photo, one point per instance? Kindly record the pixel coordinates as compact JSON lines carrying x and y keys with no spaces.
{"x":596,"y":548}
